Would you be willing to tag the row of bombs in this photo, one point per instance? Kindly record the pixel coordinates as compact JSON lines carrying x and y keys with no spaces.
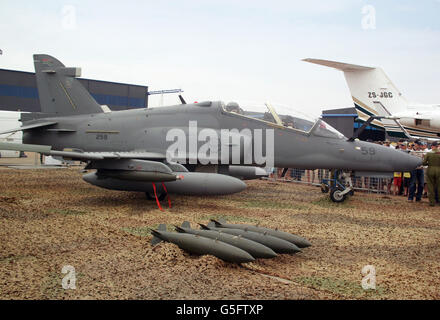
{"x":238,"y":243}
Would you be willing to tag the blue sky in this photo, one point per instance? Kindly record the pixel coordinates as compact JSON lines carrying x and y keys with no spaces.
{"x":231,"y":50}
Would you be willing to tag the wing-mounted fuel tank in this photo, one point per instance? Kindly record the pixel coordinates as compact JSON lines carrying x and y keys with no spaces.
{"x":138,"y":175}
{"x":133,"y":170}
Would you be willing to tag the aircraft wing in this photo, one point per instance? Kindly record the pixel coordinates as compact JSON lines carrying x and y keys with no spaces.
{"x":30,"y":126}
{"x":78,"y":155}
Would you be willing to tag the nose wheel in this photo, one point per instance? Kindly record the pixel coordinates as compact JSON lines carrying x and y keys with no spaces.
{"x":337,"y":195}
{"x":339,"y":186}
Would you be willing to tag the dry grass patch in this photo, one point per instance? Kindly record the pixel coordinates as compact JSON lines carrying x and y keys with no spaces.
{"x":49,"y":219}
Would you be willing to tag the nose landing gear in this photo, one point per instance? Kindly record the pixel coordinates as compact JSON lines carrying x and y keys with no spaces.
{"x":339,"y":186}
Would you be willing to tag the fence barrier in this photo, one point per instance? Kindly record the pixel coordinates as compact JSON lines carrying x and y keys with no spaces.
{"x":314,"y":177}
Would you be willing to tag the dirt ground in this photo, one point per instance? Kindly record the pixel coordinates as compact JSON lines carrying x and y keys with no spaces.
{"x":51,"y":218}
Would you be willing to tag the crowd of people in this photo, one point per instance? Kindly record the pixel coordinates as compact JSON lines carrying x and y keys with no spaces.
{"x":422,"y":182}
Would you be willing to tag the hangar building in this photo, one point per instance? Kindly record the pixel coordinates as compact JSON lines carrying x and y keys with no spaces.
{"x":18,"y":92}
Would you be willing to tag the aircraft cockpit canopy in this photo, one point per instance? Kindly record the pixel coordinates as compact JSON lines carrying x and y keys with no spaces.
{"x":288,"y":118}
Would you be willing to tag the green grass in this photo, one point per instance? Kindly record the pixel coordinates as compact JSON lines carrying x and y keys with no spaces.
{"x":342,"y":287}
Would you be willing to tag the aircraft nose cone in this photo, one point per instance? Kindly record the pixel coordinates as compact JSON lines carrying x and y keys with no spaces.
{"x":407,"y":162}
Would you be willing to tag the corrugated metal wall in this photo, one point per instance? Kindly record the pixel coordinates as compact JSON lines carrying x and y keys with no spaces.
{"x":18,"y":92}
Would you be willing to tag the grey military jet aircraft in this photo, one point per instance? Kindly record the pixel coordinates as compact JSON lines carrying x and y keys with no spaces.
{"x":182,"y":149}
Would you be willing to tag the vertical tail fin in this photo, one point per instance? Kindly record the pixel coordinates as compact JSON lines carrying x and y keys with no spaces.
{"x":372,"y":91}
{"x":59,"y":92}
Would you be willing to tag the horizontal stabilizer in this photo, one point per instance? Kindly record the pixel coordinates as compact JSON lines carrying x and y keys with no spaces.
{"x":30,"y":126}
{"x":25,"y":147}
{"x":338,"y":65}
{"x":47,"y":150}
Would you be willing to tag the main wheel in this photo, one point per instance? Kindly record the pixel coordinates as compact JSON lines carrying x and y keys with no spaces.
{"x":336,"y":195}
{"x":160,"y":196}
